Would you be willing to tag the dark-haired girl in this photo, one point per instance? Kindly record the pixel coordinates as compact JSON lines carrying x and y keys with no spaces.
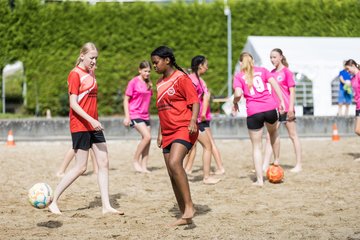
{"x":354,"y":69}
{"x":136,"y":108}
{"x":199,"y":66}
{"x":178,"y":108}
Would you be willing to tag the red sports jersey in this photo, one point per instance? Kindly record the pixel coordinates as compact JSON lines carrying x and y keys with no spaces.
{"x":175,"y":96}
{"x":83,"y":84}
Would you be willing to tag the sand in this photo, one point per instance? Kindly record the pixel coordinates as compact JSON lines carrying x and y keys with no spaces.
{"x":321,"y":202}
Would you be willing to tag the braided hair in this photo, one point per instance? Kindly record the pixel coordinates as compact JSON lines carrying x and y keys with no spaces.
{"x":166,"y":52}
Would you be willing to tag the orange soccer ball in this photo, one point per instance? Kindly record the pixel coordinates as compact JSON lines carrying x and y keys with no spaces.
{"x":275,"y":174}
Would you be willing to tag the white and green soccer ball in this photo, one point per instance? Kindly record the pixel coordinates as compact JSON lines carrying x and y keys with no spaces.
{"x":40,"y":195}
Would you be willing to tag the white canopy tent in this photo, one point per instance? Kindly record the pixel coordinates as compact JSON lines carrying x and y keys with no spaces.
{"x":319,"y":58}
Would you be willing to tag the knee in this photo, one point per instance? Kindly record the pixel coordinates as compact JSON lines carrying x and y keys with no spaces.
{"x":103,"y":163}
{"x":173,"y":167}
{"x":147,"y":138}
{"x":357,"y":131}
{"x":82,"y":170}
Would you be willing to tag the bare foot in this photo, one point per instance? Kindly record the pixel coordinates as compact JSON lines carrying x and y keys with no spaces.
{"x":357,"y":160}
{"x":112,"y":211}
{"x":211,"y":180}
{"x":220,"y":171}
{"x":188,"y":171}
{"x":137,"y":166}
{"x":60,"y":174}
{"x":54,"y":208}
{"x":181,"y":221}
{"x":296,"y":169}
{"x":276,"y":162}
{"x":258,"y":183}
{"x":145,"y":170}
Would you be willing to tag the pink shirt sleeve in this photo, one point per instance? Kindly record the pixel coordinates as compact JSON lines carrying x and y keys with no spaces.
{"x":130,"y":88}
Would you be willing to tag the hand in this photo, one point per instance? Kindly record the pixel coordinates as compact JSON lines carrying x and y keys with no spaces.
{"x":159,"y":141}
{"x":235,"y":108}
{"x":282,"y":107}
{"x":96,"y":125}
{"x":203,"y":117}
{"x":290,"y":115}
{"x":126,"y":122}
{"x":192,"y":126}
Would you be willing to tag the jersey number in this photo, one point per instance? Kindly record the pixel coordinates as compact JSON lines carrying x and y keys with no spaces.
{"x":258,"y":84}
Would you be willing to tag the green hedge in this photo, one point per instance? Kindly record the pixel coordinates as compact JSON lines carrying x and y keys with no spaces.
{"x":47,"y":38}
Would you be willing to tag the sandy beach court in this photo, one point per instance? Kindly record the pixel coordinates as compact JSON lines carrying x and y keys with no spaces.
{"x":321,"y":202}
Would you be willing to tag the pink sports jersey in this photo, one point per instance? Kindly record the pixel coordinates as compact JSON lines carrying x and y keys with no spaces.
{"x":285,"y":78}
{"x":201,"y":89}
{"x":355,"y":83}
{"x":258,"y":98}
{"x":140,"y":98}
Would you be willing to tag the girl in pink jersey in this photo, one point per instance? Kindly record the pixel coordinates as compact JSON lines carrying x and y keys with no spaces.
{"x":252,"y":83}
{"x":285,"y":79}
{"x":136,"y":107}
{"x":178,"y":108}
{"x":354,"y":69}
{"x":199,"y":66}
{"x":86,"y":130}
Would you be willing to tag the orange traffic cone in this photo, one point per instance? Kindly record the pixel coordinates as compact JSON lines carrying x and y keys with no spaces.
{"x":335,"y":135}
{"x":10,"y":139}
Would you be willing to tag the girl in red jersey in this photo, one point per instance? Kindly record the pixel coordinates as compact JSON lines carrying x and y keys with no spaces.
{"x":136,"y":107}
{"x":178,"y":108}
{"x":199,"y":66}
{"x":252,"y":83}
{"x":86,"y":130}
{"x":285,"y":79}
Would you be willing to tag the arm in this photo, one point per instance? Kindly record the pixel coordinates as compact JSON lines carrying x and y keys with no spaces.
{"x":193,"y":121}
{"x":206,"y":101}
{"x":276,"y":87}
{"x":126,"y":121}
{"x":291,"y":113}
{"x":159,"y":138}
{"x":238,"y":93}
{"x":76,"y":107}
{"x":342,"y":79}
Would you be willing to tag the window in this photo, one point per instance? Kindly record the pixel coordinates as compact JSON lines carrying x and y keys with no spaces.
{"x":304,"y":93}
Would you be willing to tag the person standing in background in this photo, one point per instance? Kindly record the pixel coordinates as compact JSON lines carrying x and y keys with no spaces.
{"x":136,"y":108}
{"x":285,"y":79}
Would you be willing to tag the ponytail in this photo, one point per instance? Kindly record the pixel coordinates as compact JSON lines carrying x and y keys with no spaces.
{"x":247,"y":67}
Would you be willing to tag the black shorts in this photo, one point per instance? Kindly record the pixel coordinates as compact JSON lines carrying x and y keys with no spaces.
{"x":187,"y":144}
{"x":85,"y":140}
{"x":357,"y":113}
{"x":257,"y":120}
{"x":203,"y":125}
{"x":138,"y":121}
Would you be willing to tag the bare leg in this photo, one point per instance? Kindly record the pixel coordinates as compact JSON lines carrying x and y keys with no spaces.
{"x":67,"y":159}
{"x":142,"y":149}
{"x":268,"y":153}
{"x":357,"y":126}
{"x":216,"y":153}
{"x":101,"y":154}
{"x":179,"y":181}
{"x":81,"y":158}
{"x":340,"y":109}
{"x":274,"y":139}
{"x":94,"y":163}
{"x":291,"y":128}
{"x":189,"y":159}
{"x":347,"y":110}
{"x":255,"y":136}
